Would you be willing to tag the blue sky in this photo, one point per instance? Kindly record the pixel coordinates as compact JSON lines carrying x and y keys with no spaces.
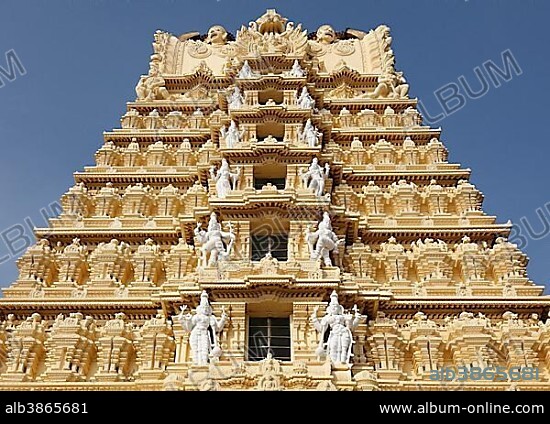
{"x":83,"y":58}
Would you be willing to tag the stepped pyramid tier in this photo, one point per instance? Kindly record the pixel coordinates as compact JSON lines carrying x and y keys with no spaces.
{"x":272,"y":214}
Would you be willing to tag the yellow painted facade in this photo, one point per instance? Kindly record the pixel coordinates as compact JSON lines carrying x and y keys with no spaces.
{"x":282,"y":177}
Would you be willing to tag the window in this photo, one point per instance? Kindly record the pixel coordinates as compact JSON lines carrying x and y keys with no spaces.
{"x":277,"y":244}
{"x":268,"y":335}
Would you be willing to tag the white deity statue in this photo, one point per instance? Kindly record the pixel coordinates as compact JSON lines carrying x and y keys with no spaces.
{"x":310,"y":135}
{"x":204,"y":329}
{"x":314,"y":177}
{"x":296,"y":71}
{"x":323,"y":241}
{"x":246,"y":71}
{"x":235,"y":100}
{"x":338,"y":326}
{"x":305,"y":101}
{"x":216,"y":244}
{"x":225,"y":179}
{"x":231,"y":135}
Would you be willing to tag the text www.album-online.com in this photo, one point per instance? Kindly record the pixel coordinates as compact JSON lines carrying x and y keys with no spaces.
{"x":484,"y":408}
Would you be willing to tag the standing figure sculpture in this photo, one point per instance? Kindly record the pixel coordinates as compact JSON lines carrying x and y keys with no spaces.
{"x":232,"y":135}
{"x":314,"y":177}
{"x":216,"y":244}
{"x":225,"y":179}
{"x":323,"y":241}
{"x":305,"y":101}
{"x":204,"y":329}
{"x":310,"y":135}
{"x":335,"y":329}
{"x":235,"y":100}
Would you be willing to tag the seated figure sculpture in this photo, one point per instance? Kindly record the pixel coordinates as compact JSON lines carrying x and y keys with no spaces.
{"x":152,"y":87}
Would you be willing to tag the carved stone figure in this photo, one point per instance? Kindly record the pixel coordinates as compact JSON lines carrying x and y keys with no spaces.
{"x":225,"y":179}
{"x":296,"y":71}
{"x":314,"y":177}
{"x":325,"y":34}
{"x":204,"y":329}
{"x":107,"y":155}
{"x":231,"y":135}
{"x":216,"y":244}
{"x":323,"y":241}
{"x":338,"y":326}
{"x":305,"y":101}
{"x":392,"y":86}
{"x":270,"y":139}
{"x":235,"y":100}
{"x":310,"y":135}
{"x":246,"y":71}
{"x":152,"y":87}
{"x":270,"y":374}
{"x":217,"y":36}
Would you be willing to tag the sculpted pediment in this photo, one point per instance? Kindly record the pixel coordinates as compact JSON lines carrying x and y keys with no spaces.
{"x":272,"y":35}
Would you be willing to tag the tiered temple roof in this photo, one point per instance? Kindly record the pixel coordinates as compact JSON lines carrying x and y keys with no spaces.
{"x":253,"y":179}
